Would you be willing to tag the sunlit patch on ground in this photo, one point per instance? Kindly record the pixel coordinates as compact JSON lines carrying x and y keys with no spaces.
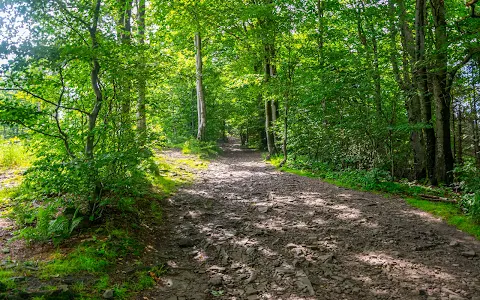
{"x":403,"y":269}
{"x":276,"y":223}
{"x":424,"y":215}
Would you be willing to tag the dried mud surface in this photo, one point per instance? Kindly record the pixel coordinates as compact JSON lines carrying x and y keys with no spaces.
{"x":244,"y":230}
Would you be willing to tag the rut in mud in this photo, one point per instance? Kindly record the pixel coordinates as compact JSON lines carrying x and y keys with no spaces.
{"x":244,"y":230}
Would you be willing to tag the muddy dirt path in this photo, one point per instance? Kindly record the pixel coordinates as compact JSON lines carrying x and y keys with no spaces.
{"x":247,"y":231}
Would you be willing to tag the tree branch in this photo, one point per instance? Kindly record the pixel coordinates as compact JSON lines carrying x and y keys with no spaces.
{"x":64,"y":9}
{"x":62,"y":133}
{"x":452,"y":73}
{"x":37,"y":130}
{"x":43,"y":99}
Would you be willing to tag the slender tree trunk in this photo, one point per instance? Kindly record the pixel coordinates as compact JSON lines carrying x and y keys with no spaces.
{"x":321,"y":26}
{"x":452,"y":130}
{"x":423,"y":92}
{"x":200,"y":94}
{"x":95,"y":83}
{"x":141,"y":115}
{"x":476,"y":146}
{"x":460,"y":134}
{"x":269,"y":129}
{"x":285,"y":135}
{"x":93,"y":115}
{"x":269,"y":114}
{"x":124,"y":31}
{"x":377,"y":80}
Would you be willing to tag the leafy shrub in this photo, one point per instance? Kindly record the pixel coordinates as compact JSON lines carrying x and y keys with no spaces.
{"x":93,"y":184}
{"x":471,"y":204}
{"x":50,"y":223}
{"x":469,"y":177}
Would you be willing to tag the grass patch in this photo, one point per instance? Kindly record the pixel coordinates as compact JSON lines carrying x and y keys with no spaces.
{"x":449,"y":212}
{"x":13,"y":154}
{"x":379,"y":181}
{"x":6,"y":195}
{"x":200,"y":148}
{"x":173,"y":173}
{"x":92,"y":257}
{"x":5,"y":280}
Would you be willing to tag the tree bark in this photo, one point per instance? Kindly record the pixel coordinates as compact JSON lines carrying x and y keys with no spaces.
{"x":93,"y":115}
{"x":95,"y":83}
{"x":404,"y":81}
{"x":124,"y":31}
{"x":459,"y":135}
{"x":476,"y":146}
{"x":200,"y":94}
{"x":269,"y":114}
{"x":442,"y":96}
{"x":423,"y":92}
{"x":141,"y":115}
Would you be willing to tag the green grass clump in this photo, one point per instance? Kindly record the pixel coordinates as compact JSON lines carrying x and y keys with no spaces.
{"x":449,"y":212}
{"x":6,"y":283}
{"x":201,"y":148}
{"x":92,"y":257}
{"x":83,"y":259}
{"x":13,"y":154}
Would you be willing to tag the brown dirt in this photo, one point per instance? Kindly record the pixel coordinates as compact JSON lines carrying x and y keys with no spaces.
{"x":246,"y":231}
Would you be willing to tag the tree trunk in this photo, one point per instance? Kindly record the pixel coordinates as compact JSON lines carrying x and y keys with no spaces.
{"x":200,"y":95}
{"x":416,"y":137}
{"x":376,"y":79}
{"x":459,"y":135}
{"x":423,"y":93}
{"x":124,"y":31}
{"x":412,"y":101}
{"x":269,"y":129}
{"x":285,"y":135}
{"x":269,"y":114}
{"x":442,"y":96}
{"x":93,"y":115}
{"x":476,"y":146}
{"x":95,"y":83}
{"x":141,"y":115}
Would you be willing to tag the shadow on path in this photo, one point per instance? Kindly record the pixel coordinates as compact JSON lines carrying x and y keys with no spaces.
{"x":246,"y":231}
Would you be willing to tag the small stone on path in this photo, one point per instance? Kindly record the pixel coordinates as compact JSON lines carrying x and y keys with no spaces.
{"x":216,"y":280}
{"x":108,"y":294}
{"x":250,"y":290}
{"x":263,"y":209}
{"x":469,"y":253}
{"x":453,"y":243}
{"x":186,"y":243}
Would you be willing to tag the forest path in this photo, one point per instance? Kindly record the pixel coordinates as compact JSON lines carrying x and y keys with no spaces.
{"x":244,"y":230}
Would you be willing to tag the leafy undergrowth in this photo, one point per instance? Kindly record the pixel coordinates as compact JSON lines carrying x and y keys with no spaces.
{"x":13,"y":154}
{"x":379,"y":181}
{"x":108,"y":257}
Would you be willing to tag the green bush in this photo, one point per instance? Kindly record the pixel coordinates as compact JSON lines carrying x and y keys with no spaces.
{"x":469,"y":177}
{"x":50,"y":223}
